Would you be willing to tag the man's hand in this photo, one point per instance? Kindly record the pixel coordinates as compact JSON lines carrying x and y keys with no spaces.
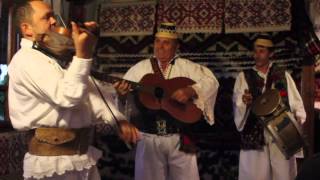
{"x":122,"y":87}
{"x":128,"y":132}
{"x":247,"y":97}
{"x":84,"y":40}
{"x":183,"y":95}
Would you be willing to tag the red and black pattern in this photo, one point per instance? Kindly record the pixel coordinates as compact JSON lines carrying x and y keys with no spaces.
{"x":127,"y":19}
{"x":192,"y":16}
{"x":257,"y":16}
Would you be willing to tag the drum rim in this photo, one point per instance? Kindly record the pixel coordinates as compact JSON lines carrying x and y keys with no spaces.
{"x":255,"y":109}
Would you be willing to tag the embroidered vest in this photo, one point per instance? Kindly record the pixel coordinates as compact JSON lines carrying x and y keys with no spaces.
{"x":252,"y":136}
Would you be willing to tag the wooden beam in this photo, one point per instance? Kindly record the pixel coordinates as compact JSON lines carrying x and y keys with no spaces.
{"x":1,"y":4}
{"x":307,"y":93}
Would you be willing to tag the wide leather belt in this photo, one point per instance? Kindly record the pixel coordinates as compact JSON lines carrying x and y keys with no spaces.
{"x":60,"y":141}
{"x":161,"y":128}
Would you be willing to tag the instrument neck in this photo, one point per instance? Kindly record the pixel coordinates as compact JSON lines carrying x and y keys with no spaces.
{"x":112,"y":79}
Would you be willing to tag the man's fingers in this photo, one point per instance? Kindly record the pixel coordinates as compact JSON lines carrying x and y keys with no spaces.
{"x":128,"y":133}
{"x":133,"y":135}
{"x":180,"y":96}
{"x":75,"y":29}
{"x":116,"y":84}
{"x":91,"y":25}
{"x":122,"y":87}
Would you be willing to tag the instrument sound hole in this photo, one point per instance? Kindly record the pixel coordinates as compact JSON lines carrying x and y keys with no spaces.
{"x":158,"y":92}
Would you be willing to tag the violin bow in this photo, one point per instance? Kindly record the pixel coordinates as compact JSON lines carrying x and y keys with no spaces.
{"x":117,"y":123}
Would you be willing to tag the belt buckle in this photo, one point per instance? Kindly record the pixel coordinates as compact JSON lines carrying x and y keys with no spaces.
{"x":161,"y":127}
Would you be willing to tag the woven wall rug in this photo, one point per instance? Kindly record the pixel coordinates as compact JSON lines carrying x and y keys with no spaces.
{"x":257,"y":16}
{"x":131,"y":18}
{"x":192,"y":16}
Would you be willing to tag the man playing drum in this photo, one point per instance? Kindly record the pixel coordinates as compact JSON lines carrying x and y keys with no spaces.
{"x":260,"y":158}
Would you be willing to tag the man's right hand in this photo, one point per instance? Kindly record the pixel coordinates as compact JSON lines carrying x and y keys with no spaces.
{"x":247,"y":97}
{"x":122,"y":87}
{"x":84,"y":41}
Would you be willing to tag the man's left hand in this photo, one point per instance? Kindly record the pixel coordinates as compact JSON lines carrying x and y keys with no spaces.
{"x":183,"y":95}
{"x":128,"y":132}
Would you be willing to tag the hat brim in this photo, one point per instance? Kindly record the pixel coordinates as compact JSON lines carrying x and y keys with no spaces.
{"x":264,"y":43}
{"x":166,"y":35}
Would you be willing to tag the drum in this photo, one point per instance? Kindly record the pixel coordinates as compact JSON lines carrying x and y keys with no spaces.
{"x":279,"y":122}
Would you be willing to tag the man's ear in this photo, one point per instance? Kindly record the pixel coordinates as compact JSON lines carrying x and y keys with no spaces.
{"x":26,"y":29}
{"x":271,"y":54}
{"x":177,"y":45}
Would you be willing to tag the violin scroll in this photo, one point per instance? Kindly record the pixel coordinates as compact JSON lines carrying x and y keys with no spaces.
{"x":68,"y":32}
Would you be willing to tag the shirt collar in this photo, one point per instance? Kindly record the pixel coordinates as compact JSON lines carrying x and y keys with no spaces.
{"x":26,"y":43}
{"x":171,"y":61}
{"x":270,"y":65}
{"x":262,"y":74}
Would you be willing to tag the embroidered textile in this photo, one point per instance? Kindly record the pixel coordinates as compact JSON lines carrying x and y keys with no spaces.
{"x":225,"y":55}
{"x":13,"y":146}
{"x":127,"y":18}
{"x":192,"y":16}
{"x":306,"y":35}
{"x":312,"y":41}
{"x":314,"y":14}
{"x":257,"y":16}
{"x":252,"y":133}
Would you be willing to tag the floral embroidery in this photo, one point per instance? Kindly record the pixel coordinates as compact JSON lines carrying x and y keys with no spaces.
{"x":277,"y":77}
{"x":283,"y":93}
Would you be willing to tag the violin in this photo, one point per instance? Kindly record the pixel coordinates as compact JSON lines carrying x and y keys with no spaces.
{"x":58,"y":44}
{"x":66,"y":32}
{"x":62,"y":31}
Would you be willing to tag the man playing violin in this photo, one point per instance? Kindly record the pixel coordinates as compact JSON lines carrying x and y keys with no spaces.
{"x":260,"y":158}
{"x":59,"y":105}
{"x":158,"y":154}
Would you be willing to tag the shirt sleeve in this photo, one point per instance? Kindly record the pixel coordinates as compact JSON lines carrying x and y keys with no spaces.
{"x":206,"y":87}
{"x":240,"y":110}
{"x":103,"y":105}
{"x":295,"y":100}
{"x":48,"y":81}
{"x":136,"y":72}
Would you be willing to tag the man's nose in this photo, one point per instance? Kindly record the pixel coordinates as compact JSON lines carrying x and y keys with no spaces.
{"x":53,"y":21}
{"x":160,"y":45}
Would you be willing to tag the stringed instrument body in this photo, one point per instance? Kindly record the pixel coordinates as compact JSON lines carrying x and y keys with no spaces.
{"x":155,"y":93}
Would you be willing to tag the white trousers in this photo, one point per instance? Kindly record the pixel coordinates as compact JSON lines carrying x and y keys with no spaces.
{"x":86,"y":174}
{"x":266,"y":164}
{"x":159,"y":158}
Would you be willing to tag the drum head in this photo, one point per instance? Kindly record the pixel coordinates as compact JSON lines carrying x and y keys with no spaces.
{"x":266,"y":103}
